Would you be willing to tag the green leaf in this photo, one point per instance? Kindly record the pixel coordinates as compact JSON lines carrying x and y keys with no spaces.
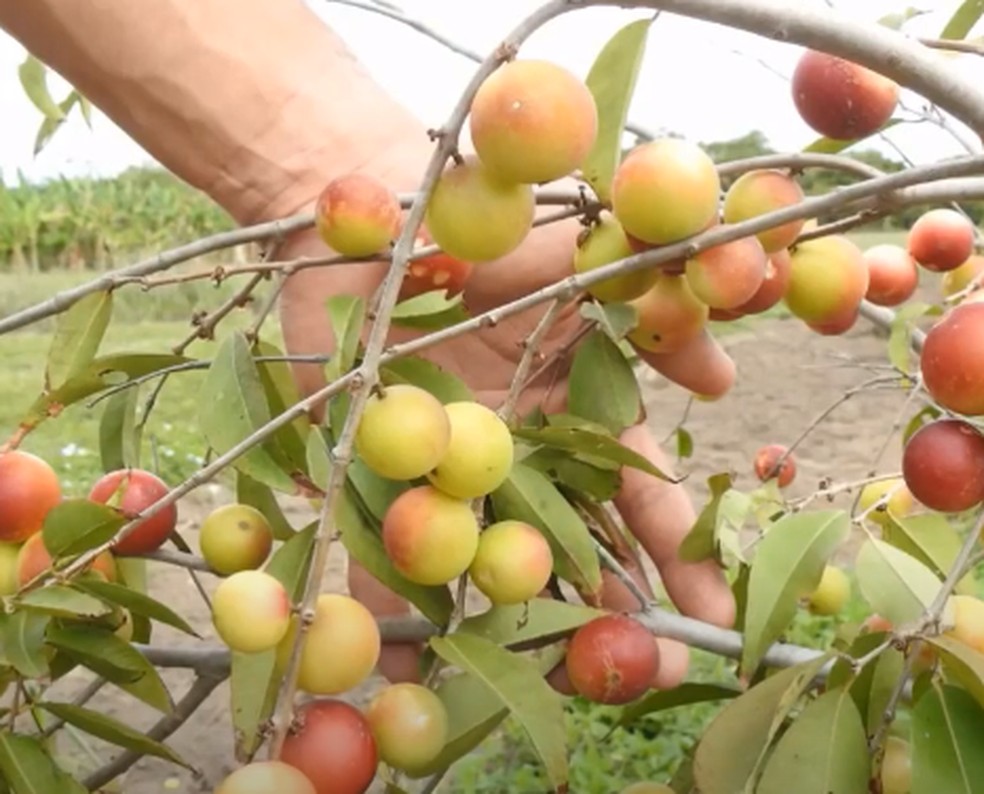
{"x":257,"y":495}
{"x":426,"y":375}
{"x":76,"y":525}
{"x":254,"y":680}
{"x":684,"y":695}
{"x":615,"y":320}
{"x":788,"y":565}
{"x":23,"y":642}
{"x":963,"y":663}
{"x":537,"y":619}
{"x":365,"y":545}
{"x":281,"y":392}
{"x":34,"y":79}
{"x":896,"y":20}
{"x":825,"y":751}
{"x":522,"y":689}
{"x":602,"y":387}
{"x":871,"y":688}
{"x":592,"y":443}
{"x":929,"y":537}
{"x":571,"y":471}
{"x":346,"y":313}
{"x":104,"y":727}
{"x":119,"y":435}
{"x":832,"y":146}
{"x":685,"y":443}
{"x":963,"y":20}
{"x":896,"y":585}
{"x":375,"y":493}
{"x":702,"y":541}
{"x":735,"y":743}
{"x":28,"y":769}
{"x":430,"y":311}
{"x":236,"y":408}
{"x":528,"y":496}
{"x":62,"y":601}
{"x":77,"y":337}
{"x":612,"y":81}
{"x":115,"y":660}
{"x":947,"y":734}
{"x":137,"y":603}
{"x":900,"y":335}
{"x":924,"y":417}
{"x":102,"y":373}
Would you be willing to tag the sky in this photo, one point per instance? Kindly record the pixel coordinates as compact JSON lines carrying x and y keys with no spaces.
{"x":704,"y":81}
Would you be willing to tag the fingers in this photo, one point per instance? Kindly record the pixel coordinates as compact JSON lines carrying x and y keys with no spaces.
{"x":398,"y":662}
{"x":701,"y":366}
{"x":660,"y":515}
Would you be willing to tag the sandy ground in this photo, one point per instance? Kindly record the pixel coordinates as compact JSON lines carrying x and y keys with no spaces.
{"x":787,"y":376}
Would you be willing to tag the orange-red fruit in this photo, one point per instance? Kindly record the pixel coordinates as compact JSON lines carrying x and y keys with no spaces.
{"x":773,"y":286}
{"x":766,"y":460}
{"x":666,"y":190}
{"x":941,"y":240}
{"x":357,"y":215}
{"x":131,"y":491}
{"x":952,"y":360}
{"x":29,"y":488}
{"x":761,"y":192}
{"x":439,"y":271}
{"x":612,"y":660}
{"x":266,"y":777}
{"x":727,"y":275}
{"x":892,"y":275}
{"x":670,"y":315}
{"x":943,"y":465}
{"x":841,"y":99}
{"x":835,"y":326}
{"x":333,"y":747}
{"x":34,"y":559}
{"x":533,"y":121}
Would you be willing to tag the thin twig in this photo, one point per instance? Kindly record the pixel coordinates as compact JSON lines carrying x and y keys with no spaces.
{"x":531,"y":350}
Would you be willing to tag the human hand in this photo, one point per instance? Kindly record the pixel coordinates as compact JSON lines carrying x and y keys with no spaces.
{"x":657,"y":513}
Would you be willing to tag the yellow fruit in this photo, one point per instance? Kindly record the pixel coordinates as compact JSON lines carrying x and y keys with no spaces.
{"x":235,"y":538}
{"x":832,"y":593}
{"x":480,"y":455}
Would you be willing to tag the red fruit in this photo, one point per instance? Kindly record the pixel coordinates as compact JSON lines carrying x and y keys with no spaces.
{"x":29,"y":488}
{"x":840,"y":99}
{"x":132,"y":491}
{"x":728,"y":275}
{"x":333,"y":746}
{"x":773,"y":287}
{"x":836,"y":325}
{"x":434,"y":272}
{"x":943,"y":465}
{"x":34,"y":559}
{"x":765,"y":463}
{"x":941,"y":240}
{"x":724,"y":315}
{"x":952,"y":360}
{"x":892,"y":275}
{"x":612,"y":659}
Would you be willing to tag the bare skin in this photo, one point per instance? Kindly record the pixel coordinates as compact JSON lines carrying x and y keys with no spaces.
{"x":278,"y":117}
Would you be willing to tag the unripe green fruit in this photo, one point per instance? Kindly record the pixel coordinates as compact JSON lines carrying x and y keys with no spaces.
{"x":603,"y":244}
{"x":410,"y":725}
{"x":513,"y":563}
{"x":479,"y":456}
{"x":251,"y":611}
{"x":403,"y":433}
{"x":235,"y":538}
{"x":475,"y":215}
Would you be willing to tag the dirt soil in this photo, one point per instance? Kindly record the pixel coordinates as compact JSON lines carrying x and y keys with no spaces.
{"x":787,"y":376}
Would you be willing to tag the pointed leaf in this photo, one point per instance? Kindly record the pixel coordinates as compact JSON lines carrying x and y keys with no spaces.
{"x":947,"y":734}
{"x":426,"y":375}
{"x":571,"y":471}
{"x":78,"y":334}
{"x":430,"y":311}
{"x":963,"y":20}
{"x":23,"y":642}
{"x":522,"y":689}
{"x":34,"y":80}
{"x":528,"y":496}
{"x":346,"y":313}
{"x":534,"y":620}
{"x":236,"y":408}
{"x":836,"y":146}
{"x":896,"y":585}
{"x":735,"y":743}
{"x":259,"y":496}
{"x":825,"y":751}
{"x":28,"y":769}
{"x":281,"y":392}
{"x":684,"y":695}
{"x":615,"y":320}
{"x":964,"y":664}
{"x":702,"y":541}
{"x":592,"y":443}
{"x":62,"y":601}
{"x":119,"y":436}
{"x":137,"y":603}
{"x":685,"y":443}
{"x":108,"y":729}
{"x":602,"y":387}
{"x":788,"y":565}
{"x":929,"y":537}
{"x":76,"y":525}
{"x":374,"y":492}
{"x":612,"y":81}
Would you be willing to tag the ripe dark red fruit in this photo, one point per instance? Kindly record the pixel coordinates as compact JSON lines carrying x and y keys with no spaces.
{"x":333,"y":746}
{"x":132,"y":491}
{"x":952,"y":360}
{"x":765,"y":463}
{"x":612,"y":659}
{"x":943,"y":465}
